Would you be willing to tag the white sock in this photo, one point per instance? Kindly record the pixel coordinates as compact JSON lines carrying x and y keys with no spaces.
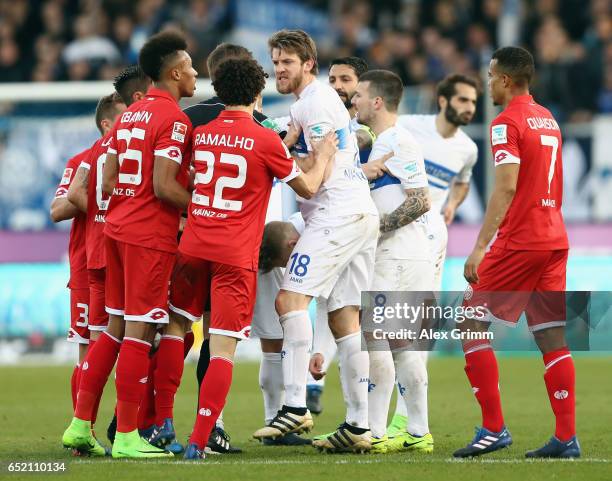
{"x":411,"y":373}
{"x":219,"y":421}
{"x":271,"y":383}
{"x":400,"y":405}
{"x":382,"y":380}
{"x":354,"y":373}
{"x":297,"y":340}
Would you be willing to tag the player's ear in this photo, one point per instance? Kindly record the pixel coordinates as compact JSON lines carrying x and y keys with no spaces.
{"x":309,"y":64}
{"x":442,"y":102}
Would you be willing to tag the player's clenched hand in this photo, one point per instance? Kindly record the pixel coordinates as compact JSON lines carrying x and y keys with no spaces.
{"x":316,"y":366}
{"x":376,"y":168}
{"x":327,"y":147}
{"x":292,"y":136}
{"x":470,"y":270}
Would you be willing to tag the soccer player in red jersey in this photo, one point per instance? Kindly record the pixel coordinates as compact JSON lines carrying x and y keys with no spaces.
{"x":146,"y":171}
{"x":527,"y":261}
{"x":63,"y":209}
{"x":236,"y":160}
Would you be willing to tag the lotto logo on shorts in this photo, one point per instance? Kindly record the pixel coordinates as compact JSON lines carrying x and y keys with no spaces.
{"x":562,"y":394}
{"x":205,"y":412}
{"x":157,"y":315}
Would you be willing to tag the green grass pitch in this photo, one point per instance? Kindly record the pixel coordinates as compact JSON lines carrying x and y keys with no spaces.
{"x":35,"y":408}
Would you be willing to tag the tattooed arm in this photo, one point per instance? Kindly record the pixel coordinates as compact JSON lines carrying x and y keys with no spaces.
{"x":416,"y":204}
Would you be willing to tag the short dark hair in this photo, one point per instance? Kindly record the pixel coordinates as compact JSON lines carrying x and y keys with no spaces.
{"x":359,"y":65}
{"x":158,"y":50}
{"x":298,"y":42}
{"x":385,"y":84}
{"x":131,"y":79}
{"x":447,"y":86}
{"x":107,"y":108}
{"x":222,"y":52}
{"x":274,"y":235}
{"x":239,"y":81}
{"x":517,"y":63}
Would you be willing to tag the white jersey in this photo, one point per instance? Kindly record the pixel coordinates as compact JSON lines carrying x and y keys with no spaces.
{"x":317,"y":111}
{"x":445,"y":159}
{"x":389,"y":192}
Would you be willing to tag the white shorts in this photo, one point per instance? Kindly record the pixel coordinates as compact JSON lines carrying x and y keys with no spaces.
{"x":334,"y":259}
{"x":438,"y":238}
{"x":403,"y":275}
{"x":265,"y":324}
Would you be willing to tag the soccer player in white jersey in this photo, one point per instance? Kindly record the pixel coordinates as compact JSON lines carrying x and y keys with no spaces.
{"x":334,"y":256}
{"x":403,"y":260}
{"x":449,"y":156}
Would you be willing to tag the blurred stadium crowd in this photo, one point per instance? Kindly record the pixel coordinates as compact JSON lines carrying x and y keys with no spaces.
{"x":422,"y":40}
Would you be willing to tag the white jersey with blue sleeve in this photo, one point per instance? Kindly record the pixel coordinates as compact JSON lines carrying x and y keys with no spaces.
{"x":407,"y":171}
{"x":445,"y":158}
{"x":317,"y":111}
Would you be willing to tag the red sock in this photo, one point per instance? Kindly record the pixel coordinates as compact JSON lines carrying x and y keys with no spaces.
{"x":188,"y":343}
{"x":213,"y":393}
{"x":560,"y":379}
{"x":481,"y":370}
{"x":95,"y":370}
{"x":74,"y":384}
{"x":131,"y":380}
{"x":146,"y":412}
{"x":170,"y":362}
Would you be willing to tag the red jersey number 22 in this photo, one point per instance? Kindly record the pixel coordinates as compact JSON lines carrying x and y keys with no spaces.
{"x":223,"y":182}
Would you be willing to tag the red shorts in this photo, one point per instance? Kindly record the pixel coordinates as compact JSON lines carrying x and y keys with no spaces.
{"x":137,"y":281}
{"x":98,"y":317}
{"x":512,"y":282}
{"x":231,"y":290}
{"x":79,"y":316}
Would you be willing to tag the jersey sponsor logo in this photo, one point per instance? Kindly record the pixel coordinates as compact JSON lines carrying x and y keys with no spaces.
{"x":66,"y":177}
{"x":411,"y":167}
{"x":501,"y":155}
{"x":499,"y":134}
{"x":316,"y":132}
{"x":505,"y":157}
{"x":179,"y":131}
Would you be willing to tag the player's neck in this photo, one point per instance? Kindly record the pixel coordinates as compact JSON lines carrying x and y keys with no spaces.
{"x":516,"y":92}
{"x":444,"y":127}
{"x":306,"y":81}
{"x":352,"y":112}
{"x":383,"y":121}
{"x":241,"y":108}
{"x":171,"y":89}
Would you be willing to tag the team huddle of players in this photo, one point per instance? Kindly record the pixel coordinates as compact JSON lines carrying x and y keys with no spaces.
{"x":375,"y":191}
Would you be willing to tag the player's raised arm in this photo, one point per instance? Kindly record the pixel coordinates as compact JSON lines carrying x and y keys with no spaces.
{"x":307,"y":183}
{"x":77,"y":192}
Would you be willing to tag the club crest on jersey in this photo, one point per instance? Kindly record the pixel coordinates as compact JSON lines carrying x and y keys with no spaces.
{"x":66,"y":177}
{"x":499,"y":134}
{"x":179,"y":130}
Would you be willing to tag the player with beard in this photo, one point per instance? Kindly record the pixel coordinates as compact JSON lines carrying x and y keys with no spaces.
{"x":341,"y":223}
{"x":449,"y":156}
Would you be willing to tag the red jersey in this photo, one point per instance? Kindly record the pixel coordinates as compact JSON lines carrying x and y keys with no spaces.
{"x":526,"y":133}
{"x":153,"y":126}
{"x":236,"y":161}
{"x":76,"y":244}
{"x":97,"y":203}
